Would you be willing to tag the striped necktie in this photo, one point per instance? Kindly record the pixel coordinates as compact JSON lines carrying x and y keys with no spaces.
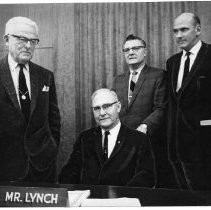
{"x":132,"y":85}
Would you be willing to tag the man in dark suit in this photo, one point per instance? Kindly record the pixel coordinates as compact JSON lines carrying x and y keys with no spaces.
{"x":111,"y":154}
{"x":189,"y":109}
{"x":142,"y":93}
{"x":29,"y":114}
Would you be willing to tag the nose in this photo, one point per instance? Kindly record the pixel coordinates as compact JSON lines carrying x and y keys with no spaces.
{"x":28,"y":44}
{"x":102,"y":111}
{"x":178,"y":34}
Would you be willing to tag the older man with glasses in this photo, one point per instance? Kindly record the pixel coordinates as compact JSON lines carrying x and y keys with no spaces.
{"x":142,"y":93}
{"x":110,"y":154}
{"x":29,"y":114}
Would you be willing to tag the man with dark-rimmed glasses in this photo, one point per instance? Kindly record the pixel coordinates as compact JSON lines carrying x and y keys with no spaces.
{"x":29,"y":114}
{"x":110,"y":154}
{"x":142,"y":93}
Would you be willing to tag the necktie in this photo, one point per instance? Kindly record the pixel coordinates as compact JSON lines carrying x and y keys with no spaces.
{"x":132,"y":85}
{"x":105,"y":146}
{"x":24,"y":94}
{"x":186,"y":67}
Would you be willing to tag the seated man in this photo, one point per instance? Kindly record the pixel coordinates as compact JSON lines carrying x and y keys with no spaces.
{"x":111,"y":154}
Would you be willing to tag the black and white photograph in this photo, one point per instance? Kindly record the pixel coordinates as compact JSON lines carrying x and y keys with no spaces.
{"x":105,"y":103}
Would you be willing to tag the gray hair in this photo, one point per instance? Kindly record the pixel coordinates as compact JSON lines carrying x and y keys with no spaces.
{"x":105,"y":90}
{"x":11,"y":24}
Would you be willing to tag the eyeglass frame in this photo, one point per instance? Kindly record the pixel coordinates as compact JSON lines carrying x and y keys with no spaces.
{"x":25,"y":40}
{"x":105,"y":107}
{"x":134,"y":49}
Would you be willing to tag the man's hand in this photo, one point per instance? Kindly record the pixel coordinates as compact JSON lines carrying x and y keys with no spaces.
{"x":142,"y":128}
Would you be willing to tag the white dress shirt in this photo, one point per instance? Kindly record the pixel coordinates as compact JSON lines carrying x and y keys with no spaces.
{"x":136,"y":78}
{"x":112,"y":137}
{"x":193,"y":53}
{"x":14,"y":69}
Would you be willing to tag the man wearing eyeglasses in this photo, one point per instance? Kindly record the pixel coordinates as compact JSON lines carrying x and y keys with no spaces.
{"x":110,"y":154}
{"x":141,"y":91}
{"x":29,"y":114}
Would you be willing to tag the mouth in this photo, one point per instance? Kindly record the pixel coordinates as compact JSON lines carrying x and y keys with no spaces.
{"x":103,"y":119}
{"x":131,"y":58}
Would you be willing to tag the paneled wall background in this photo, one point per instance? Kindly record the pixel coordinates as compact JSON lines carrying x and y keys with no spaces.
{"x":81,"y":43}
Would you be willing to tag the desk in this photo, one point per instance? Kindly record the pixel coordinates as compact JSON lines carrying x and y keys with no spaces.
{"x":147,"y":197}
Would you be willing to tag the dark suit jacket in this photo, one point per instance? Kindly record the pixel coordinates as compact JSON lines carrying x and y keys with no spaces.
{"x":148,"y":102}
{"x":131,"y":162}
{"x":28,"y":151}
{"x":187,"y":139}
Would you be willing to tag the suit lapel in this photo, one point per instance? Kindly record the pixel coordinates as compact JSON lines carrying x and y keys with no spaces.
{"x":175,"y":71}
{"x":139,"y":83}
{"x":98,"y":144}
{"x":196,"y":65}
{"x":119,"y":142}
{"x":126,"y":81}
{"x":8,"y":83}
{"x":34,"y":86}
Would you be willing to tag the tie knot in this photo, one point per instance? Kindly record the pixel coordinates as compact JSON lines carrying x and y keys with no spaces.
{"x":188,"y":54}
{"x":21,"y":66}
{"x":134,"y":73}
{"x":107,"y":133}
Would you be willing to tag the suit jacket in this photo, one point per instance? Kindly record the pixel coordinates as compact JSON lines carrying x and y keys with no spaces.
{"x":188,"y":139}
{"x":131,"y":162}
{"x":28,"y":151}
{"x":148,"y":101}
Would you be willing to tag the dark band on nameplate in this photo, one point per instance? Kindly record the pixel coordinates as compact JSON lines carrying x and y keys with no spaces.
{"x":11,"y":196}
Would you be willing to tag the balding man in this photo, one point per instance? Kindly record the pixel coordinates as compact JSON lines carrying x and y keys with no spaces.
{"x":29,"y":114}
{"x":110,"y":154}
{"x":189,"y":108}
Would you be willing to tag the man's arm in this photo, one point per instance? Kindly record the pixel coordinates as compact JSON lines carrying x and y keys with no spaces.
{"x":154,"y":120}
{"x":54,"y":115}
{"x":145,"y":167}
{"x":71,"y":172}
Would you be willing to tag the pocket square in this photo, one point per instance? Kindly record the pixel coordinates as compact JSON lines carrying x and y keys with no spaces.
{"x":45,"y":88}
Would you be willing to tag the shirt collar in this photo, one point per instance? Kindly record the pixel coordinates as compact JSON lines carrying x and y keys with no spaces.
{"x":138,"y":70}
{"x":195,"y":49}
{"x":114,"y":129}
{"x":13,"y":64}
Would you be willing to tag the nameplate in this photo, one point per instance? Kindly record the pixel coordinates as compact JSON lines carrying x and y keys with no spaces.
{"x":12,"y":196}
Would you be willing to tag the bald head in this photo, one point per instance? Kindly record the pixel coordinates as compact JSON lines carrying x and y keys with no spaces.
{"x":187,"y":30}
{"x":189,"y":17}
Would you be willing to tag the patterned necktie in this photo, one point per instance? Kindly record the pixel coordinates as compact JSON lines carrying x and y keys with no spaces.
{"x":105,"y":146}
{"x":23,"y":94}
{"x":186,"y":67}
{"x":132,"y":85}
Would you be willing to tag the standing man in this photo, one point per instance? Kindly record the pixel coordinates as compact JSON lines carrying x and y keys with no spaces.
{"x":29,"y":114}
{"x":110,"y":154}
{"x":142,"y":93}
{"x":189,"y":109}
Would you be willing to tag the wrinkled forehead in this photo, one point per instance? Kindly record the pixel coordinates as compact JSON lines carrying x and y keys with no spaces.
{"x":24,"y":29}
{"x":103,"y":97}
{"x":133,"y":43}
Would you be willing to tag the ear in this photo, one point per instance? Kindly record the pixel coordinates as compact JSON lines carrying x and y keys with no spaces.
{"x":145,"y":52}
{"x":198,"y":30}
{"x":119,"y":107}
{"x":6,"y":39}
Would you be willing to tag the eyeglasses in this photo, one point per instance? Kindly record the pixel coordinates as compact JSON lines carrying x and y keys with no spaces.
{"x":23,"y":40}
{"x":105,"y":107}
{"x":134,"y":49}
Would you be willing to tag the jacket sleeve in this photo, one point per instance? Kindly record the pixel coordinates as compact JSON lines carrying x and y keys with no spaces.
{"x":145,"y":166}
{"x":54,"y":115}
{"x":71,"y":172}
{"x":155,"y":119}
